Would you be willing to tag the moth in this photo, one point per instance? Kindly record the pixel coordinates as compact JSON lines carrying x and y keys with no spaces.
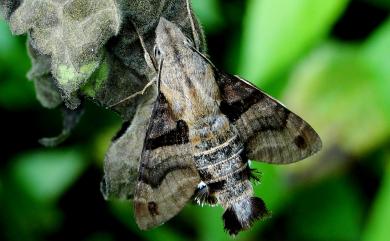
{"x":205,"y":126}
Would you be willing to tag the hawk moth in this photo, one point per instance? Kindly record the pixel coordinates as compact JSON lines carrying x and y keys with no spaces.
{"x":204,"y":127}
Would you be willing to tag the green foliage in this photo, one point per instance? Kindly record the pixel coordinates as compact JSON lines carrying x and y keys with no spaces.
{"x":377,"y":56}
{"x":31,"y":189}
{"x":45,"y":175}
{"x":330,"y":211}
{"x":15,"y":91}
{"x":210,"y":13}
{"x":377,"y":227}
{"x":277,"y":32}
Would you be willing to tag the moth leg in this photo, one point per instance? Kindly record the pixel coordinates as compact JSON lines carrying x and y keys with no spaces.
{"x":205,"y":195}
{"x":141,"y":92}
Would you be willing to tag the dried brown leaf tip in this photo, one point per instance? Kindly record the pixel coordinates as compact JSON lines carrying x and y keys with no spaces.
{"x":72,"y":33}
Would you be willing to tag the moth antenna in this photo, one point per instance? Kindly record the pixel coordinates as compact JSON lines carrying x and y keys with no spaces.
{"x":203,"y":56}
{"x":148,"y":58}
{"x":141,"y":92}
{"x":195,"y":35}
{"x":159,"y":75}
{"x":241,"y":215}
{"x":150,"y":62}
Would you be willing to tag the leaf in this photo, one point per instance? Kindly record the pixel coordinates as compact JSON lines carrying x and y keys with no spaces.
{"x":376,"y":53}
{"x":15,"y":92}
{"x":7,"y":7}
{"x":46,"y":90}
{"x":332,"y":210}
{"x":336,"y":92}
{"x":277,"y":32}
{"x":377,"y":228}
{"x":70,"y":120}
{"x":379,"y":3}
{"x":209,"y":12}
{"x":72,"y":33}
{"x":46,"y":174}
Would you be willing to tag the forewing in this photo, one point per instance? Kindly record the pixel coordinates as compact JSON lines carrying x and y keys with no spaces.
{"x":168,"y":177}
{"x":269,"y":130}
{"x":122,"y":160}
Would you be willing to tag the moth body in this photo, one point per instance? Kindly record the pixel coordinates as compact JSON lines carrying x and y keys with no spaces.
{"x":220,"y":159}
{"x":204,"y":127}
{"x":189,"y":85}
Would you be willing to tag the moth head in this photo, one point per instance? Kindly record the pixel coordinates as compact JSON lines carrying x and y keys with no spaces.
{"x":170,"y":40}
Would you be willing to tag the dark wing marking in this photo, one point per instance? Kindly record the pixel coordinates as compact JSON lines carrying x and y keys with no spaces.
{"x":168,"y":177}
{"x":270,"y":131}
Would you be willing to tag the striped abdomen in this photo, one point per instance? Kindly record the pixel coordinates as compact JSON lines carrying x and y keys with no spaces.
{"x":219,"y":155}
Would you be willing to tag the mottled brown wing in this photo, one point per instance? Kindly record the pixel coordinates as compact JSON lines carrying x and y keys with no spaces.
{"x":168,"y":177}
{"x":270,"y":131}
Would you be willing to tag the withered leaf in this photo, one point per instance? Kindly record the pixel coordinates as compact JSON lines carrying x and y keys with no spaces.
{"x":7,"y":7}
{"x":45,"y":88}
{"x":72,"y":33}
{"x":70,"y":120}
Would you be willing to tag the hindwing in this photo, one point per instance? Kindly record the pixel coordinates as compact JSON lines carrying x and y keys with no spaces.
{"x":270,"y":131}
{"x":167,"y":177}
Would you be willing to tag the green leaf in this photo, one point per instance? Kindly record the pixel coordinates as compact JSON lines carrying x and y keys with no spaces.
{"x":332,"y":210}
{"x":208,"y":221}
{"x":277,"y":32}
{"x":377,"y":228}
{"x":376,"y":53}
{"x":209,"y":14}
{"x":336,"y":92}
{"x":15,"y":91}
{"x":46,"y":174}
{"x":379,"y":3}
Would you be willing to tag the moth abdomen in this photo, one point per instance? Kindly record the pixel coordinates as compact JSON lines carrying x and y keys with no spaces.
{"x":241,"y":214}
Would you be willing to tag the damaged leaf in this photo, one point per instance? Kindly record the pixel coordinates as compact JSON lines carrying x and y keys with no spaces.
{"x":45,"y":88}
{"x":72,"y":33}
{"x":7,"y":7}
{"x":70,"y":120}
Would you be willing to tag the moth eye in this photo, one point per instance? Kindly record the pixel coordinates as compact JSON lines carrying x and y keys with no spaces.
{"x":157,"y":52}
{"x":188,"y":41}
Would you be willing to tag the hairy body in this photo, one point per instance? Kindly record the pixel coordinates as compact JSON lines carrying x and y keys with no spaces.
{"x":190,"y":88}
{"x":204,"y":127}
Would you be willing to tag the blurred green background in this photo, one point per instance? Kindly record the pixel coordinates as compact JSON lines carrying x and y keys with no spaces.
{"x":328,"y":61}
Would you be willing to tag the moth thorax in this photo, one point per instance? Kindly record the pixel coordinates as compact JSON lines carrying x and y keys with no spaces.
{"x":213,"y":129}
